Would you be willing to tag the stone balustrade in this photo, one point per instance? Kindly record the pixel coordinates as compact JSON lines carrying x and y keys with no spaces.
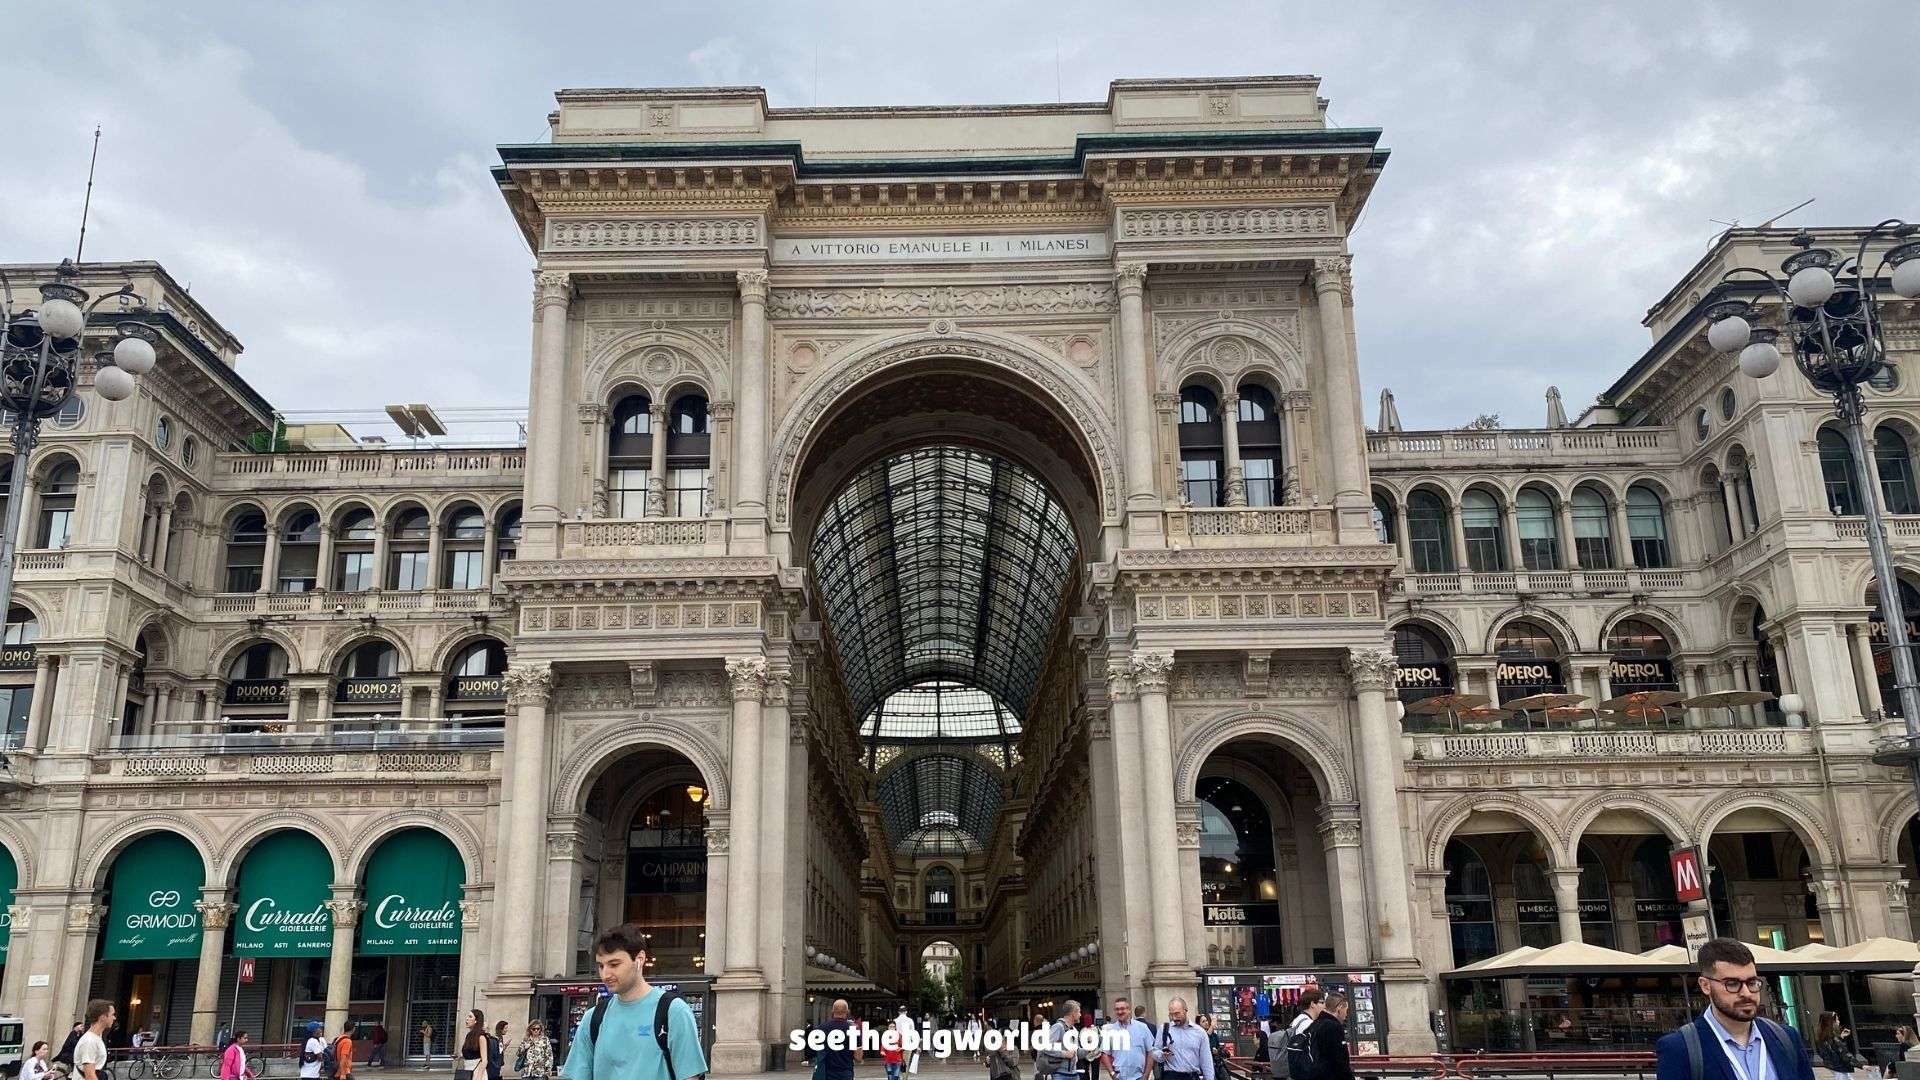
{"x":1238,"y":526}
{"x":1519,"y":447}
{"x":365,"y":601}
{"x":1757,"y":742}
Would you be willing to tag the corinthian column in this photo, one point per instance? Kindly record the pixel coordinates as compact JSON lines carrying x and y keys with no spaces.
{"x":529,"y":689}
{"x":741,"y":988}
{"x":750,"y":430}
{"x":545,"y":437}
{"x":1347,"y":443}
{"x":1236,"y":479}
{"x":215,"y":914}
{"x":1371,"y":673}
{"x":345,"y":909}
{"x":1169,"y":967}
{"x":1566,"y":901}
{"x":1137,"y":384}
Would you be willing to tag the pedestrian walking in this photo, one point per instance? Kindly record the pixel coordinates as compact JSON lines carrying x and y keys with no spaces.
{"x":233,"y":1060}
{"x":1293,"y":1048}
{"x":1327,"y":1041}
{"x":535,"y":1060}
{"x":1730,"y":1040}
{"x":1056,"y":1060}
{"x":1128,"y":1043}
{"x":497,"y":1051}
{"x":62,"y":1063}
{"x":471,"y":1058}
{"x":1184,"y":1052}
{"x":426,"y":1046}
{"x":313,"y":1048}
{"x":90,"y":1052}
{"x":343,"y":1051}
{"x":1830,"y":1042}
{"x":832,"y":1063}
{"x":628,"y":1036}
{"x":377,"y":1043}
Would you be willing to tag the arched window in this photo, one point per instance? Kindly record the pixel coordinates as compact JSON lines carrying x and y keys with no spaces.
{"x":1386,"y":526}
{"x":246,"y":551}
{"x":23,"y":628}
{"x":408,"y":565}
{"x":1486,"y":539}
{"x":665,"y":884}
{"x":1592,"y":530}
{"x":1238,"y":882}
{"x":630,"y":438}
{"x":1469,"y":904}
{"x":179,"y":526}
{"x":689,"y":458}
{"x":257,"y":683}
{"x":373,"y":660}
{"x":1713,"y":489}
{"x":1836,"y":471}
{"x":466,"y":544}
{"x":1655,"y":907}
{"x":1260,"y":435}
{"x":1529,"y":661}
{"x":1425,"y":664}
{"x":261,"y":660}
{"x":353,"y":569}
{"x":1539,"y":530}
{"x":57,"y":498}
{"x":1427,"y":535}
{"x":370,"y":676}
{"x":299,"y":569}
{"x":1641,"y":658}
{"x":507,"y":540}
{"x":1891,"y":454}
{"x":1200,"y":447}
{"x":1647,"y":528}
{"x":941,"y":891}
{"x":476,"y":681}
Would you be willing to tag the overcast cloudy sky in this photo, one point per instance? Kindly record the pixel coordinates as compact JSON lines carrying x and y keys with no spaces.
{"x":318,"y":172}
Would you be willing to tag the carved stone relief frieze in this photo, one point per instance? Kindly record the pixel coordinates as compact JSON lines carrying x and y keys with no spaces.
{"x":669,"y":616}
{"x":910,"y":302}
{"x":1253,"y":606}
{"x":1144,"y":224}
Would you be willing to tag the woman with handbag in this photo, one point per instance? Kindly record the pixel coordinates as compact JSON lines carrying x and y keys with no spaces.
{"x":470,"y":1061}
{"x":536,"y":1054}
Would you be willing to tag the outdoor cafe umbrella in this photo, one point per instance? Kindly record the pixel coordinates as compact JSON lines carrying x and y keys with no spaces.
{"x":1643,"y":698}
{"x":1533,"y":702}
{"x":1439,"y":703}
{"x":1726,"y":699}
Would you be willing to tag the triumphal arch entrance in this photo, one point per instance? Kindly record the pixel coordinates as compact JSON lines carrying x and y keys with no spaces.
{"x":947,"y":572}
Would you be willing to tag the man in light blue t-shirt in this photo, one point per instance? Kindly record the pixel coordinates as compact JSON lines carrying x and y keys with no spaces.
{"x":627,"y":1048}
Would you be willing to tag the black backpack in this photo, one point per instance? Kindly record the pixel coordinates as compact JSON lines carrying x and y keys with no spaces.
{"x":1300,"y":1055}
{"x":659,"y":1027}
{"x":330,"y":1058}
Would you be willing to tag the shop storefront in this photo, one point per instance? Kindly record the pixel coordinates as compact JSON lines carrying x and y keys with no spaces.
{"x":150,"y":946}
{"x":1271,"y":996}
{"x":281,"y":918}
{"x":9,"y":882}
{"x":1238,"y":882}
{"x":1425,"y":666}
{"x":410,"y":933}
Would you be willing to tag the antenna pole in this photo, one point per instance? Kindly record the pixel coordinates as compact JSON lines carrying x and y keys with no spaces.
{"x":87,"y":205}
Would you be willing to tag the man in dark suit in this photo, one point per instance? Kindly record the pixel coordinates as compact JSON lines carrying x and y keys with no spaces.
{"x":1731,"y":1040}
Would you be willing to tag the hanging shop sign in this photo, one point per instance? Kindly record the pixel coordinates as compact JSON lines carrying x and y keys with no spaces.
{"x":1528,"y":673}
{"x":1546,"y":911}
{"x":1434,"y":676}
{"x":18,"y":657}
{"x":477,"y":688}
{"x":368,"y":691}
{"x":1640,"y":673}
{"x":257,"y":692}
{"x":282,"y":900}
{"x":150,"y":912}
{"x":1255,"y":914}
{"x":413,"y":897}
{"x":666,"y":870}
{"x":1658,"y":910}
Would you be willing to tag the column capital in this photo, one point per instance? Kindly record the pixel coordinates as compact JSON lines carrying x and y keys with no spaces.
{"x":85,"y":918}
{"x":529,"y":685}
{"x":1099,"y":724}
{"x":469,"y":914}
{"x":1371,"y":669}
{"x":214,"y":914}
{"x":1152,"y":671}
{"x":345,"y":911}
{"x":748,"y":675}
{"x":592,"y":412}
{"x":1166,"y":401}
{"x":1120,"y":684}
{"x":1339,"y":824}
{"x":19,"y":916}
{"x":1333,"y":272}
{"x":552,"y":288}
{"x":718,"y":838}
{"x":720,"y":411}
{"x":753,"y":284}
{"x":1131,"y":277}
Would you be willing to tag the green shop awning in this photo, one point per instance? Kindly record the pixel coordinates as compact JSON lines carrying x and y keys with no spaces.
{"x":9,"y":881}
{"x":285,"y":884}
{"x":413,"y":896}
{"x":150,"y":912}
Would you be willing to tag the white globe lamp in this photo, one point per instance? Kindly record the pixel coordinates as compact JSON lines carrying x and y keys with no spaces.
{"x":113,"y":384}
{"x":1759,"y":360}
{"x":1810,"y":286}
{"x":62,"y":318}
{"x":1730,"y":334}
{"x":133,"y":355}
{"x":1906,"y":279}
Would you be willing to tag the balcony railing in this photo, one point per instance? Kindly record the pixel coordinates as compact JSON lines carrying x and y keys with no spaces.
{"x":253,"y":735}
{"x":1535,"y":444}
{"x":329,"y":601}
{"x":361,"y":464}
{"x":1756,"y":742}
{"x":1550,"y":581}
{"x":693,"y":536}
{"x":1228,"y":526}
{"x":1899,"y":527}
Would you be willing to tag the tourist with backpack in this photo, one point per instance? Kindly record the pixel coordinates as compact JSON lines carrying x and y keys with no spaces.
{"x":1327,"y":1057}
{"x":1293,"y":1048}
{"x":338,"y":1062}
{"x":640,"y":1032}
{"x":313,"y":1052}
{"x":1730,"y":1040}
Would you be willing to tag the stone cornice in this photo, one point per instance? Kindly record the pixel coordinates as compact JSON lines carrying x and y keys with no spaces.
{"x":693,"y":572}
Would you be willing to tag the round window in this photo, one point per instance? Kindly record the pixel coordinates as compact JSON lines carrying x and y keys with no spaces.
{"x":1887,"y":379}
{"x":1726,"y":403}
{"x":70,"y":412}
{"x":162,"y":432}
{"x":188,"y":451}
{"x":1700,"y":425}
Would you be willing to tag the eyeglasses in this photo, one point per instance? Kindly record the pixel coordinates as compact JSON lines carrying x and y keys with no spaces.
{"x":1734,"y":986}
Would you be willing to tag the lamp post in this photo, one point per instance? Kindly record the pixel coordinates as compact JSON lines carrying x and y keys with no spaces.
{"x":40,"y":370}
{"x":1834,"y":325}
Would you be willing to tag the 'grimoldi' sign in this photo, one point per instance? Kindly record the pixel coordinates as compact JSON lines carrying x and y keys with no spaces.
{"x":952,"y":248}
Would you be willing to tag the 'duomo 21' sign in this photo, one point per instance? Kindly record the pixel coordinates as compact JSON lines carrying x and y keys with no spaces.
{"x":957,"y":247}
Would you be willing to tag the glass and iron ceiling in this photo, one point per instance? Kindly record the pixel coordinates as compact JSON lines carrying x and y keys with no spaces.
{"x":942,"y":572}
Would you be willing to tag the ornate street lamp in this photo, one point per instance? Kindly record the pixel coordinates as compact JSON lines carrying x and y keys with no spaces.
{"x":40,"y":370}
{"x":1834,"y":326}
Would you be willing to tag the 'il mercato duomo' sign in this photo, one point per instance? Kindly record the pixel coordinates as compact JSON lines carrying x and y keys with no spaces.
{"x":959,"y":247}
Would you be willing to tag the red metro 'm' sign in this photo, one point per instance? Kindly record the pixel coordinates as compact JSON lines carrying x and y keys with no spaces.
{"x":1689,"y":883}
